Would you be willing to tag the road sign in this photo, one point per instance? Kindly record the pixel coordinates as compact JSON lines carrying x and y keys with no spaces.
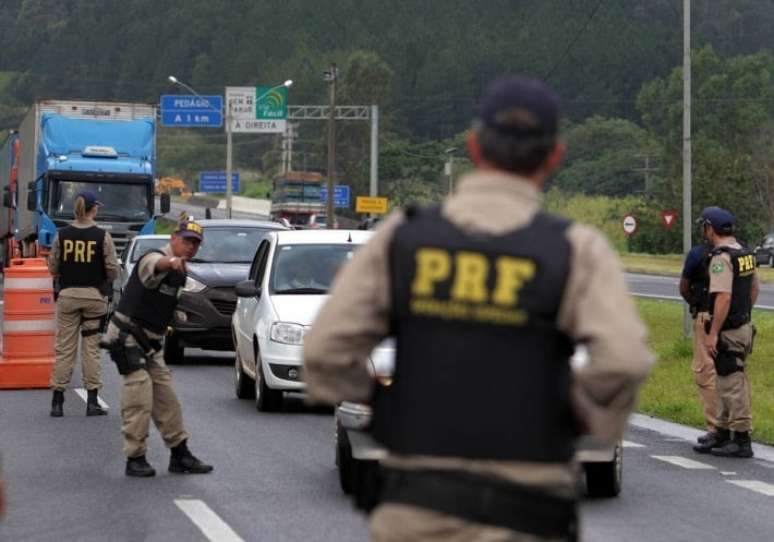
{"x":377,"y":206}
{"x":215,"y":182}
{"x":190,"y":111}
{"x":341,"y":196}
{"x":629,"y":224}
{"x":668,"y":219}
{"x":249,"y":116}
{"x":271,"y":103}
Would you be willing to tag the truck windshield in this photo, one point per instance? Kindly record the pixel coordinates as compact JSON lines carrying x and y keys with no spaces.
{"x":120,"y":201}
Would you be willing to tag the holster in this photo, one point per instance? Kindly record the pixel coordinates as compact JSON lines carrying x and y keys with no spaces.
{"x":100,"y":329}
{"x":484,"y":500}
{"x":726,"y":360}
{"x":128,"y":359}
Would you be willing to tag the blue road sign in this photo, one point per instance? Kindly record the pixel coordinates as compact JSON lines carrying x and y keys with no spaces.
{"x":190,"y":111}
{"x":215,"y":182}
{"x":341,"y":196}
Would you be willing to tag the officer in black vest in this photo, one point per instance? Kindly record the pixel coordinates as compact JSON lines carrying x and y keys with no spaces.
{"x":694,"y":288}
{"x":486,"y":297}
{"x":83,"y":262}
{"x":134,"y":340}
{"x":733,"y":290}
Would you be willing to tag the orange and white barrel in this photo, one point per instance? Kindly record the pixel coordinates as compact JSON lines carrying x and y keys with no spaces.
{"x":29,"y":325}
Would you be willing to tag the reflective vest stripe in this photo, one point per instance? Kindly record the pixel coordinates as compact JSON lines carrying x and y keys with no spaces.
{"x":17,"y":326}
{"x":44,"y":283}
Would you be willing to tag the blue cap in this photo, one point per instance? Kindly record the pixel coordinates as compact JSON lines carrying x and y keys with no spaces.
{"x":721,"y":220}
{"x":518,"y":106}
{"x":89,"y":198}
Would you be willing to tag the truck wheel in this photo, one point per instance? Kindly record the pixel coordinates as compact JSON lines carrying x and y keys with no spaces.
{"x":266,"y":399}
{"x":605,"y":479}
{"x":173,"y":353}
{"x":244,"y":386}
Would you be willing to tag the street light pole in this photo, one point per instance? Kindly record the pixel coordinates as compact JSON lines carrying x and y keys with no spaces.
{"x":330,"y":76}
{"x":687,"y":159}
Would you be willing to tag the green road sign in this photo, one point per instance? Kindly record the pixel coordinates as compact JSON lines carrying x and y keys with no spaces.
{"x":271,"y":103}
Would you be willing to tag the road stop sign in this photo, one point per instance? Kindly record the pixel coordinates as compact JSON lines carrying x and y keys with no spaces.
{"x":668,"y":219}
{"x":629,"y":224}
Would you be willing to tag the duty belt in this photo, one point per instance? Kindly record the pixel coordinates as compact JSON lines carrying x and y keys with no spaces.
{"x":148,"y":345}
{"x":484,"y":500}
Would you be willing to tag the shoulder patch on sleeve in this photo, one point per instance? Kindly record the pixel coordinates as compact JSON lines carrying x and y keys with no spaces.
{"x":717,"y":268}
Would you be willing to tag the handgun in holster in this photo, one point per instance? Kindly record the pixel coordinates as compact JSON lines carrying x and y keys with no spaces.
{"x":129,"y":359}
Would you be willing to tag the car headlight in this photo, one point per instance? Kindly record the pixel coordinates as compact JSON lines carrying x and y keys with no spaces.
{"x":193,"y":286}
{"x":285,"y":333}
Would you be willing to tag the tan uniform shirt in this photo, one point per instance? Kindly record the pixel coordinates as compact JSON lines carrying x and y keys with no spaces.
{"x":596,"y":309}
{"x":722,"y":272}
{"x":111,"y":264}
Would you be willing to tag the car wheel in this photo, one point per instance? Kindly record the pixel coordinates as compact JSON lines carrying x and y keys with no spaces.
{"x":244,"y":386}
{"x":345,"y":461}
{"x":174,"y":353}
{"x":605,"y":479}
{"x":266,"y":399}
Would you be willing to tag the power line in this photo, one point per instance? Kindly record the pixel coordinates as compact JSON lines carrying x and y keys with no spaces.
{"x":572,"y":42}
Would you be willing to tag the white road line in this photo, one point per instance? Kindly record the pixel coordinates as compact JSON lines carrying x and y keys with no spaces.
{"x":83,"y":394}
{"x":678,"y":298}
{"x":630,"y":444}
{"x":209,"y":523}
{"x":683,"y":462}
{"x":759,"y":487}
{"x":727,"y":473}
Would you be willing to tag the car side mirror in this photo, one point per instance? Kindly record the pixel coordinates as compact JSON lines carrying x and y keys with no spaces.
{"x":32,"y":201}
{"x":165,"y":203}
{"x":247,"y":288}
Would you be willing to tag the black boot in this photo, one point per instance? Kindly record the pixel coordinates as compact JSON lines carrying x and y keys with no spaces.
{"x":741,"y":446}
{"x":139,"y":466}
{"x":721,"y":438}
{"x":183,"y":461}
{"x":701,"y":439}
{"x":92,"y":405}
{"x":56,"y":404}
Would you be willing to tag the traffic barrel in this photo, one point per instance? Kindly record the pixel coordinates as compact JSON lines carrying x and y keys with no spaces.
{"x":29,"y":325}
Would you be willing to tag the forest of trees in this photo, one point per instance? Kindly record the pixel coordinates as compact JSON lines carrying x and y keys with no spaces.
{"x":616,"y":66}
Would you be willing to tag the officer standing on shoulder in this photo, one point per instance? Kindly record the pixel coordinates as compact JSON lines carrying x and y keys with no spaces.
{"x":134,"y":341}
{"x":486,"y":297}
{"x":83,"y":261}
{"x":733,"y":290}
{"x":694,"y":288}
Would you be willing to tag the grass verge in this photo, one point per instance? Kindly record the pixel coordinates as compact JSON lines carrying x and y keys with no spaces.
{"x":670,"y":392}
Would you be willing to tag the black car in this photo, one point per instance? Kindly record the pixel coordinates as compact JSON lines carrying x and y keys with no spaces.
{"x":203,"y":315}
{"x":764,"y":252}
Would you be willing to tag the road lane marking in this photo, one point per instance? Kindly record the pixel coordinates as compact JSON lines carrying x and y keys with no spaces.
{"x":678,"y":298}
{"x":759,"y":487}
{"x":728,"y":473}
{"x":209,"y":523}
{"x":83,"y":394}
{"x":683,"y":462}
{"x":630,"y":444}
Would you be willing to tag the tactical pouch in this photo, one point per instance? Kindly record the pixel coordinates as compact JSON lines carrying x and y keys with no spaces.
{"x":726,"y":360}
{"x":128,"y":359}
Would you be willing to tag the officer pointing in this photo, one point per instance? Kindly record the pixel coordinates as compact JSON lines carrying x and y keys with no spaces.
{"x":486,"y":297}
{"x":134,"y":341}
{"x":83,"y":261}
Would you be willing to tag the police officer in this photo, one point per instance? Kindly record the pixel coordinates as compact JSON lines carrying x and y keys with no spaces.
{"x":134,"y":341}
{"x":486,"y":296}
{"x":694,"y":288}
{"x":733,"y":289}
{"x":82,"y":261}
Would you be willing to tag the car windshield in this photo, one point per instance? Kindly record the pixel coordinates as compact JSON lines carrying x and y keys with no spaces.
{"x":307,"y":269}
{"x":143,"y":246}
{"x":128,"y":201}
{"x":229,"y":244}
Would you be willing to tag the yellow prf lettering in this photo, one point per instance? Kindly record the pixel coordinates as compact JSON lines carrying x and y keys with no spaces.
{"x":470,"y":277}
{"x":511,"y":275}
{"x":80,"y":249}
{"x":746,"y":263}
{"x":433,"y":265}
{"x":91,"y":249}
{"x":68,"y":249}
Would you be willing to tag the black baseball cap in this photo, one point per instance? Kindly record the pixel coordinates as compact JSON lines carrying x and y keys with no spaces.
{"x":189,"y":228}
{"x":721,"y":220}
{"x":89,"y":198}
{"x":518,"y":106}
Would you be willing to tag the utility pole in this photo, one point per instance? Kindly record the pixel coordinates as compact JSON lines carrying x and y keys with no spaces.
{"x":330,"y":76}
{"x":687,"y":166}
{"x":229,"y":157}
{"x":374,"y":185}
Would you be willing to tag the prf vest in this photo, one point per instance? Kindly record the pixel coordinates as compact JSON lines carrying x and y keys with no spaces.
{"x":151,"y":308}
{"x":743,"y":263}
{"x":698,"y":283}
{"x":481,"y":369}
{"x":81,"y":257}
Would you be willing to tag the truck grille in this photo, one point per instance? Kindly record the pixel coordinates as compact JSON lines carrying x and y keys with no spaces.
{"x":224,"y":300}
{"x":224,"y":307}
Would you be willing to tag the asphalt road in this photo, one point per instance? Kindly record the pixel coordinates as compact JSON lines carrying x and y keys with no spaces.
{"x":275,"y":479}
{"x":667,"y":288}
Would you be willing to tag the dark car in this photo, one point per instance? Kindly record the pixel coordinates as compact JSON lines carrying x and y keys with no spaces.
{"x":203,"y":315}
{"x":764,"y":252}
